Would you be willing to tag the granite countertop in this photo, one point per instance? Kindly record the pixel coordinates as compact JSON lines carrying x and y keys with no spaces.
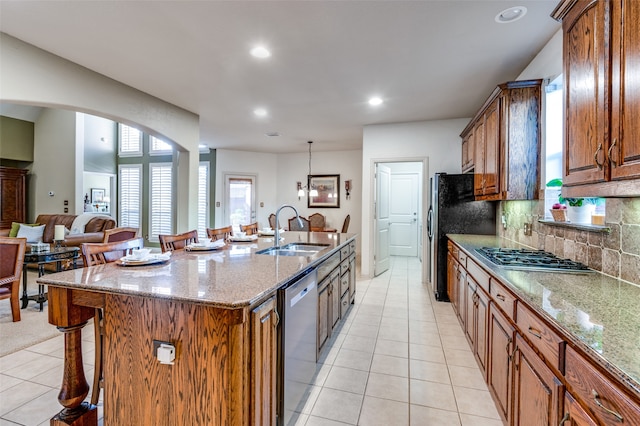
{"x":599,"y":313}
{"x":233,"y":277}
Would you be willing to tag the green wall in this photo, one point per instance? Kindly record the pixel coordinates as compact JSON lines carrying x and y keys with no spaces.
{"x":16,"y":139}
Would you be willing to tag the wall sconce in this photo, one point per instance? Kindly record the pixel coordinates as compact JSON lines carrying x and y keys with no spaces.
{"x":300,"y":190}
{"x":347,"y":188}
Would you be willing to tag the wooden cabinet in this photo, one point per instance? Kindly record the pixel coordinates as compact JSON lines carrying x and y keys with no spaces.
{"x":352,"y":278}
{"x":12,"y":196}
{"x":467,"y":153}
{"x":501,"y":346}
{"x":452,"y":279}
{"x":574,"y":414}
{"x":537,"y":391}
{"x":506,"y":142}
{"x":264,"y":347}
{"x":602,"y":97}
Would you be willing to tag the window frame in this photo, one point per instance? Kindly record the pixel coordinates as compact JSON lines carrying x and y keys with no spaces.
{"x":138,"y":152}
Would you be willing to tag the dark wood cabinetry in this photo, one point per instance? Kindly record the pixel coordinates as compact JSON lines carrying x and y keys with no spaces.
{"x":602,"y":97}
{"x":467,"y":153}
{"x":574,"y":414}
{"x":536,"y":390}
{"x":264,"y":322}
{"x":12,"y":196}
{"x":506,"y":142}
{"x":501,"y":346}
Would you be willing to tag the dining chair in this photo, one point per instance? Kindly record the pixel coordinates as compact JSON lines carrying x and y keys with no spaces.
{"x":317,"y":222}
{"x":345,"y":225}
{"x":272,"y":221}
{"x":101,"y":254}
{"x":12,"y":255}
{"x":295,"y":226}
{"x":178,"y":241}
{"x":220,"y":233}
{"x":250,"y":229}
{"x":120,"y":234}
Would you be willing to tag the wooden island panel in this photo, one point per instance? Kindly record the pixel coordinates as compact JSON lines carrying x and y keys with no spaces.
{"x":206,"y":384}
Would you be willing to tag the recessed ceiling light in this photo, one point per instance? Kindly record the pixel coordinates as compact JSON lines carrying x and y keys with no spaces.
{"x":272,"y":134}
{"x":260,"y":52}
{"x":511,"y":15}
{"x":375,"y":101}
{"x":260,"y":112}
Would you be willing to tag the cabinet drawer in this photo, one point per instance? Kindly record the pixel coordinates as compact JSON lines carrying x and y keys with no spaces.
{"x":462,"y":258}
{"x":344,"y":252}
{"x":543,"y":338}
{"x":344,"y":305}
{"x":344,"y":283}
{"x":478,"y":274}
{"x":352,"y":246}
{"x":504,"y":299}
{"x":605,"y":400}
{"x":328,"y":265}
{"x":344,"y":266}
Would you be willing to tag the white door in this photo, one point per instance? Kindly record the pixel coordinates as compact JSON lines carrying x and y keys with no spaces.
{"x":240,"y":200}
{"x":403,"y":215}
{"x":383,"y":183}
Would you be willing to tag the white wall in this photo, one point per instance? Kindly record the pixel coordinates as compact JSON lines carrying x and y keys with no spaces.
{"x":438,"y":140}
{"x":32,"y":76}
{"x":295,"y":167}
{"x":263,"y":165}
{"x":54,"y":163}
{"x":547,"y":63}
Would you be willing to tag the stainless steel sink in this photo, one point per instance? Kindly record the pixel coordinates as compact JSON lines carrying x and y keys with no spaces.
{"x":294,"y":249}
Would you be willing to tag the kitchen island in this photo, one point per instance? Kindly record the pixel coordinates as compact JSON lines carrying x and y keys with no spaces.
{"x":217,"y":308}
{"x":571,"y":339}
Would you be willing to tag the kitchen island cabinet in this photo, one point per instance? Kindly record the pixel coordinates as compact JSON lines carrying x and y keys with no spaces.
{"x":562,"y":347}
{"x":601,"y":46}
{"x":218,"y":309}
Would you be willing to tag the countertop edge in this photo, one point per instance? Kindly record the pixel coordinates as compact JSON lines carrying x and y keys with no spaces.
{"x":631,"y":384}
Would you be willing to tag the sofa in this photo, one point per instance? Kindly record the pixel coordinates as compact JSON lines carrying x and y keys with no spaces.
{"x":93,"y":227}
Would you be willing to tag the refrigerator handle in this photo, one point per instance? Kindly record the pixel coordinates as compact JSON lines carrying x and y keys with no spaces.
{"x":430,"y":223}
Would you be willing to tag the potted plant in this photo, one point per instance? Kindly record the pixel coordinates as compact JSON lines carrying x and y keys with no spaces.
{"x":578,"y":210}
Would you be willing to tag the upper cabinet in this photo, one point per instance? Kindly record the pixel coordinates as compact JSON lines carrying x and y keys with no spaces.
{"x":602,"y":97}
{"x":505,"y":136}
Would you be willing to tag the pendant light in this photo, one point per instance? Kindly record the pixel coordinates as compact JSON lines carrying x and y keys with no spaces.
{"x":313,"y":192}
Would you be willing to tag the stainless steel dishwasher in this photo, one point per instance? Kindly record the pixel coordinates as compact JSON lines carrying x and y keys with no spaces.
{"x":299,"y":308}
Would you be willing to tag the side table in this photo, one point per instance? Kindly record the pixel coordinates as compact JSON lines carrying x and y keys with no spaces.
{"x":56,"y":255}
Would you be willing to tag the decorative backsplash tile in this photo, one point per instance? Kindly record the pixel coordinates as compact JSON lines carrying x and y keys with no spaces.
{"x":616,"y":253}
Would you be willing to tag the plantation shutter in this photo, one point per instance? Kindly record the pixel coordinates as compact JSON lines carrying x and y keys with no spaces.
{"x":130,"y":195}
{"x":203,"y":199}
{"x":130,"y":141}
{"x":160,"y":205}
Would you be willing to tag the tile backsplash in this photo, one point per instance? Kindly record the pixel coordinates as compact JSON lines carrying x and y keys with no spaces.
{"x":616,"y":253}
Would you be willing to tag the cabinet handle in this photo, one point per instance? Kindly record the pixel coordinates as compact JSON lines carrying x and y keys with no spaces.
{"x":596,"y":398}
{"x":507,"y":347}
{"x":277,"y":317}
{"x":500,"y":296}
{"x":535,"y":332}
{"x":595,"y":156}
{"x":613,"y":162}
{"x":564,"y":419}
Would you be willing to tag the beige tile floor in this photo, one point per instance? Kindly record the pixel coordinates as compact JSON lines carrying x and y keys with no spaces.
{"x":399,"y":358}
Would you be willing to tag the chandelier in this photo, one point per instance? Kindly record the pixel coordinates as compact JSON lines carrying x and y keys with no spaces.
{"x":313,"y":192}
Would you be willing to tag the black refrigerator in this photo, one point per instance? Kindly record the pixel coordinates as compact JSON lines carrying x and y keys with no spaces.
{"x":453,"y":210}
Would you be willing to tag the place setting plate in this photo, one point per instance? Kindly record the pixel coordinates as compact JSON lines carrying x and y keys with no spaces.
{"x":153,"y":259}
{"x":243,"y":239}
{"x":206,"y":246}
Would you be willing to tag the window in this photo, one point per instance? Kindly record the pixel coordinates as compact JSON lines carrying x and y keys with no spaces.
{"x":159,"y":147}
{"x":130,"y":195}
{"x":130,"y":141}
{"x":160,"y":200}
{"x":203,"y":199}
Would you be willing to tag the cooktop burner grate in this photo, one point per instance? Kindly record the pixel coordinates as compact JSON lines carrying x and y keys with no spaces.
{"x":531,"y":259}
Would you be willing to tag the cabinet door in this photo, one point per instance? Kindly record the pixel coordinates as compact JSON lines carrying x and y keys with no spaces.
{"x":12,"y":196}
{"x":264,"y":320}
{"x":482,"y":333}
{"x":537,"y":391}
{"x":352,"y":278}
{"x":470,"y":310}
{"x":624,"y":151}
{"x":323,"y":314}
{"x":499,"y":372}
{"x":586,"y":76}
{"x":478,"y":155}
{"x":467,"y":152}
{"x":334,"y":299}
{"x":452,"y":277}
{"x":491,"y":172}
{"x":462,"y":291}
{"x":574,"y":414}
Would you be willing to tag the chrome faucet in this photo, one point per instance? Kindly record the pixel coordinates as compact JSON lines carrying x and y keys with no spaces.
{"x":276,"y":234}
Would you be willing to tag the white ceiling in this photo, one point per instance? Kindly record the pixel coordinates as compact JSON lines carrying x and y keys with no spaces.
{"x":428,"y":60}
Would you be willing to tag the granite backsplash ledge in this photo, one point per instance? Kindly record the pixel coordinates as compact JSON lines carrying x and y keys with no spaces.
{"x":616,"y":253}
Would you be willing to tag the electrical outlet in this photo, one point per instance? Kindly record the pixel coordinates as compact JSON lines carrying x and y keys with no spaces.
{"x":504,"y":222}
{"x":165,"y":352}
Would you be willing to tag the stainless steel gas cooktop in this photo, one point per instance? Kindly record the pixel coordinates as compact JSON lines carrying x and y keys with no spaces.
{"x":531,"y":260}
